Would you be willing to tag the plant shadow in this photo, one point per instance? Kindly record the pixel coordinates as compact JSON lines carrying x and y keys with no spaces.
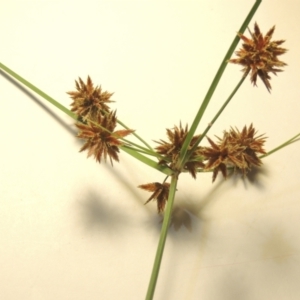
{"x":187,"y":213}
{"x":97,"y":215}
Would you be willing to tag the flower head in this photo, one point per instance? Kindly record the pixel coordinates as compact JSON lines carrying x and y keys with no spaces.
{"x":101,"y":139}
{"x":220,"y":155}
{"x":259,"y":55}
{"x":250,"y":144}
{"x":236,"y":149}
{"x":160,"y":193}
{"x":170,"y":150}
{"x":89,"y":101}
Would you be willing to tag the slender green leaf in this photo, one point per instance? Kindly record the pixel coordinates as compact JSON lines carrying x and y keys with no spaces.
{"x":38,"y":91}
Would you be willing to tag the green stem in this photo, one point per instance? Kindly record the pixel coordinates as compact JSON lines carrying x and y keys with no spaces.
{"x":213,"y":86}
{"x":136,"y":135}
{"x":216,"y":117}
{"x":162,"y":239}
{"x":133,"y":133}
{"x":140,"y":148}
{"x":147,"y":152}
{"x":151,"y":163}
{"x":292,"y":140}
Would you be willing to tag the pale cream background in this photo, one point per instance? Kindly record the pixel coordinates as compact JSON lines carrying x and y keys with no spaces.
{"x":74,"y":229}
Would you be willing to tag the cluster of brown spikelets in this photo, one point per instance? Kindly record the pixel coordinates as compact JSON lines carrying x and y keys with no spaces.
{"x":260,"y":56}
{"x":169,"y":151}
{"x":237,"y":150}
{"x":97,"y":122}
{"x":89,"y":101}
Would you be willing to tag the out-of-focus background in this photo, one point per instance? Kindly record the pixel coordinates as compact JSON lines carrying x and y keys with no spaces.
{"x":73,"y":229}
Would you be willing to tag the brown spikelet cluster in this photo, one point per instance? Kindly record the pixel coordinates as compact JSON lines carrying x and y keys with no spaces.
{"x":170,"y":150}
{"x":160,"y":193}
{"x":237,"y":149}
{"x":89,"y":101}
{"x":97,"y":122}
{"x":169,"y":154}
{"x":259,"y":55}
{"x":101,"y":139}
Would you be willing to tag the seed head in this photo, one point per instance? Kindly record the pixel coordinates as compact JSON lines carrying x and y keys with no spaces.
{"x":160,"y":193}
{"x":89,"y":101}
{"x":250,"y":145}
{"x":170,"y":150}
{"x":101,"y":139}
{"x":236,"y":149}
{"x":260,"y":56}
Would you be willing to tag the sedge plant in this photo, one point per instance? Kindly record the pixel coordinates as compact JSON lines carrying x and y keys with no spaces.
{"x":236,"y":150}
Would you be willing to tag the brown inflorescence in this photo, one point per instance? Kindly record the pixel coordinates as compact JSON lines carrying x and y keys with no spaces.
{"x":237,"y":149}
{"x":101,"y":139}
{"x":89,"y":101}
{"x":259,"y":55}
{"x":170,"y":150}
{"x":160,"y":193}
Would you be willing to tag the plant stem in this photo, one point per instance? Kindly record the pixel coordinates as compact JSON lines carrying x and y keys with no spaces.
{"x":147,"y":152}
{"x":151,"y":163}
{"x":136,"y":135}
{"x":215,"y":117}
{"x":133,"y":133}
{"x":162,"y":239}
{"x":213,"y":86}
{"x":292,"y":140}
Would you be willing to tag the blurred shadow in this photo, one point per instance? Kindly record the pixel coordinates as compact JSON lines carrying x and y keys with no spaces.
{"x":231,"y":287}
{"x":126,"y":182}
{"x":277,"y":247}
{"x":253,"y":177}
{"x":97,"y":214}
{"x":195,"y":206}
{"x":185,"y":214}
{"x":181,"y":218}
{"x":38,"y":102}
